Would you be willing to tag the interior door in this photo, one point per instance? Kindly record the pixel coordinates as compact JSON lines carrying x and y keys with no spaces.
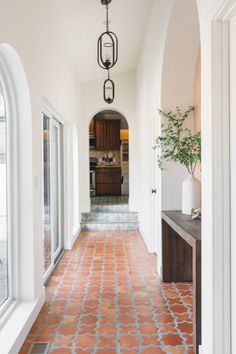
{"x":52,"y":192}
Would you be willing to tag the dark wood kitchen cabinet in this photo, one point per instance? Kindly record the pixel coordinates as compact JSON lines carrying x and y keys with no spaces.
{"x":107,"y":133}
{"x":108,"y":181}
{"x":100,"y":135}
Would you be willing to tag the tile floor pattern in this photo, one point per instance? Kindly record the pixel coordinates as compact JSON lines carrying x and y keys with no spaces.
{"x":105,"y":297}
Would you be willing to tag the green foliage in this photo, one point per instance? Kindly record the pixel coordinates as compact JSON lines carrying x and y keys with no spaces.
{"x":177,"y":143}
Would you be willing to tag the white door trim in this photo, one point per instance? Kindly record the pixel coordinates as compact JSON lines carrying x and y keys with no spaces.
{"x":221,"y":238}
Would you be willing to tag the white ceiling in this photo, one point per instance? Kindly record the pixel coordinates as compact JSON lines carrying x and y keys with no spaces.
{"x":80,"y":22}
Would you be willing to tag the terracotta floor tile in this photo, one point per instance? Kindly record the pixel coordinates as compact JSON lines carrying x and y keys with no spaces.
{"x":64,"y":341}
{"x":149,"y":340}
{"x":85,"y":341}
{"x":166,"y":318}
{"x":127,"y":329}
{"x":171,"y":339}
{"x":84,"y":329}
{"x":88,"y":320}
{"x":67,"y":329}
{"x":147,"y":328}
{"x":185,"y":327}
{"x":152,"y":350}
{"x":188,"y":339}
{"x":61,"y":351}
{"x":106,"y":341}
{"x":100,"y":297}
{"x":106,"y":329}
{"x":178,"y":350}
{"x":128,"y":341}
{"x":106,"y":351}
{"x":129,"y":351}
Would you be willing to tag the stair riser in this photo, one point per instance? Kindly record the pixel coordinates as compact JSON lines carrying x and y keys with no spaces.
{"x":109,"y":208}
{"x":110,"y":217}
{"x":110,"y":227}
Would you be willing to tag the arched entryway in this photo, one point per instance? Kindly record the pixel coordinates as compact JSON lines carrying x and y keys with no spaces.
{"x":109,"y":157}
{"x":180,"y":87}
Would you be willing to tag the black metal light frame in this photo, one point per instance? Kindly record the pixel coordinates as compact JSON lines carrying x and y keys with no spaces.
{"x":107,"y":39}
{"x":103,"y":63}
{"x":108,"y":100}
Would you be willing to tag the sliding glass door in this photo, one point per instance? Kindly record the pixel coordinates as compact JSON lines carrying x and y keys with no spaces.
{"x":52,"y":192}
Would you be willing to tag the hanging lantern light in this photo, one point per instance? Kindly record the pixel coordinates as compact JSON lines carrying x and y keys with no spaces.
{"x":109,"y":90}
{"x":107,"y":46}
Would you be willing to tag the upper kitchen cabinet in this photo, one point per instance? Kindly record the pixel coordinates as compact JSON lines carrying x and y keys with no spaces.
{"x":100,"y":135}
{"x":107,"y":134}
{"x":113,"y":134}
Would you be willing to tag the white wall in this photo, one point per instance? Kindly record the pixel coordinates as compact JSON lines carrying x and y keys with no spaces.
{"x":149,"y":73}
{"x":125,"y":103}
{"x":29,"y":28}
{"x":178,"y":75}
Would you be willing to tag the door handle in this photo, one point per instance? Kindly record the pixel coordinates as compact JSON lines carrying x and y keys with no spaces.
{"x":154,"y":191}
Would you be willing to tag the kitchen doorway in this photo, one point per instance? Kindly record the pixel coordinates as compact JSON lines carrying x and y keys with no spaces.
{"x":109,"y":158}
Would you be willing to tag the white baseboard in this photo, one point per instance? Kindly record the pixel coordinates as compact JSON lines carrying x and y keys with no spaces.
{"x":17,"y":327}
{"x":71,"y":244}
{"x":150,"y":250}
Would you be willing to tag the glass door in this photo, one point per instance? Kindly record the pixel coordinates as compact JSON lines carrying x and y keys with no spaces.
{"x":56,"y":186}
{"x":52,"y":192}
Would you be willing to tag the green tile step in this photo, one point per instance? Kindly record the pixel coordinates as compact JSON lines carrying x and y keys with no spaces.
{"x":111,"y":226}
{"x":110,"y":217}
{"x":109,"y":208}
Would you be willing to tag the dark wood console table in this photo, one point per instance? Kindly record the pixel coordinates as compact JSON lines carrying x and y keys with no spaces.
{"x":181,"y":258}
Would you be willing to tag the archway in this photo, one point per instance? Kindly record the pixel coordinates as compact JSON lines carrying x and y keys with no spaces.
{"x":180,"y":87}
{"x":109,"y":157}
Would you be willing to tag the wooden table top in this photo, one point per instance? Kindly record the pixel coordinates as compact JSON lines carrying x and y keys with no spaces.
{"x":189,"y":229}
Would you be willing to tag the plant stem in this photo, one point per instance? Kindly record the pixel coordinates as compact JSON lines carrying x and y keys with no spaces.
{"x":188,"y":169}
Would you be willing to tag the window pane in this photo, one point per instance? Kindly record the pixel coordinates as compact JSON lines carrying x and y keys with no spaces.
{"x":46,"y":188}
{"x":3,"y":203}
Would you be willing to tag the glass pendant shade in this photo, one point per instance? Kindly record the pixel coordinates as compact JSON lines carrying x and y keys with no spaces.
{"x":107,"y":50}
{"x":109,"y":91}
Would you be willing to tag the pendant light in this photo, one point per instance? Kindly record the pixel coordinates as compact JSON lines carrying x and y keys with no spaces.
{"x":107,"y":56}
{"x":109,"y":90}
{"x":107,"y":46}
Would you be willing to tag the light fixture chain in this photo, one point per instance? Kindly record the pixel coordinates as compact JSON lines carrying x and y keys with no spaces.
{"x":107,"y":17}
{"x":108,"y":74}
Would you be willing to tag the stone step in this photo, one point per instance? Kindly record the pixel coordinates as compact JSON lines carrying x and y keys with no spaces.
{"x":110,"y":217}
{"x":109,"y":226}
{"x":109,"y":208}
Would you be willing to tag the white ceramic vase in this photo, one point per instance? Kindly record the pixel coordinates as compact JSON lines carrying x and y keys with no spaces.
{"x":191,"y":194}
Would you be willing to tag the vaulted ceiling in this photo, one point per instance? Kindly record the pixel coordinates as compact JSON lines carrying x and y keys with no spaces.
{"x":80,"y":22}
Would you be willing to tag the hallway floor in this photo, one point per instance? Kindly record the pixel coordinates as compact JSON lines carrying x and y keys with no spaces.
{"x":105,"y":297}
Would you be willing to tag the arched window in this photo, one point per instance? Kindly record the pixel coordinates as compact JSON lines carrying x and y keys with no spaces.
{"x":5,"y":185}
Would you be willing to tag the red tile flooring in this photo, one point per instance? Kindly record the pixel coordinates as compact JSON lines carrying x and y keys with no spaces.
{"x":105,"y":297}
